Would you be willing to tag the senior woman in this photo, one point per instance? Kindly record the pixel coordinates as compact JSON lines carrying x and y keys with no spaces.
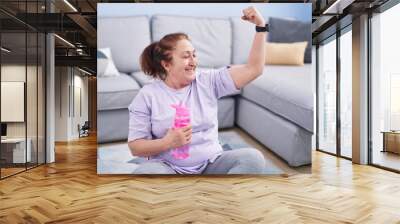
{"x":173,"y":62}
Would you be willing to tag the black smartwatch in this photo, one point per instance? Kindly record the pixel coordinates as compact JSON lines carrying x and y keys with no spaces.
{"x":262,"y":28}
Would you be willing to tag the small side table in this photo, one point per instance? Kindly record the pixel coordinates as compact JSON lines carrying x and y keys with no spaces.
{"x":391,"y":141}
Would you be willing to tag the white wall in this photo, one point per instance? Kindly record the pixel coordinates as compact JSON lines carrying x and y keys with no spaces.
{"x":82,"y":83}
{"x":61,"y":103}
{"x":69,"y":85}
{"x":17,"y":73}
{"x":14,"y":73}
{"x":79,"y":117}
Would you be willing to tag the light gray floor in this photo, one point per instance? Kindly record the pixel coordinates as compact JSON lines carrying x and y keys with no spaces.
{"x":115,"y":158}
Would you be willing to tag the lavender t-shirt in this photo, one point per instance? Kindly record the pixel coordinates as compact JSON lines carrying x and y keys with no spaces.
{"x":151,"y":115}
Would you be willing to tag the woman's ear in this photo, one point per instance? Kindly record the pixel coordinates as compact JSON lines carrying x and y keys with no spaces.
{"x":165,"y":65}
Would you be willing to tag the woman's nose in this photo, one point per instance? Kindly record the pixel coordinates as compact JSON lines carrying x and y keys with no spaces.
{"x":193,"y":60}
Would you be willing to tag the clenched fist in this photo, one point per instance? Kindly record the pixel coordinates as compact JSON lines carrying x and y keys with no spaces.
{"x":177,"y":137}
{"x":252,"y":15}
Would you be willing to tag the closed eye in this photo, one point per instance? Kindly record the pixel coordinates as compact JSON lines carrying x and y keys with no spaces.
{"x":188,"y":53}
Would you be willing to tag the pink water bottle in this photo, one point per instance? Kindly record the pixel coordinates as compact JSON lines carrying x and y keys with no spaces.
{"x":182,"y":119}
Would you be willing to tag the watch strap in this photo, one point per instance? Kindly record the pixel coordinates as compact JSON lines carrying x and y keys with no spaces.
{"x":262,"y":28}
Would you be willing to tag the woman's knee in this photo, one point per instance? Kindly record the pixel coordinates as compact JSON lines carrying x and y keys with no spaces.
{"x":249,"y":161}
{"x":255,"y":157}
{"x":153,"y":168}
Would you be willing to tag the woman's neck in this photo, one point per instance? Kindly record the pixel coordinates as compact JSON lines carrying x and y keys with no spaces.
{"x":174,"y":84}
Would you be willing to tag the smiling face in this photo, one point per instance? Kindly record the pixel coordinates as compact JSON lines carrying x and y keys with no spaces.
{"x":181,"y":70}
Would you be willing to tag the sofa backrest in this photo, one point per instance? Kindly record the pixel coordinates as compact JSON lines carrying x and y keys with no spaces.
{"x":243,"y":35}
{"x":126,"y":37}
{"x":288,"y":31}
{"x":211,"y":37}
{"x":218,"y":41}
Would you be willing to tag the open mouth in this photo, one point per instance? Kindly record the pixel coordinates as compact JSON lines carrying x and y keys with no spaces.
{"x":190,"y":69}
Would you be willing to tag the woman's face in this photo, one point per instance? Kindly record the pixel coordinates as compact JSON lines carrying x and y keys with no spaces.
{"x":181,"y":70}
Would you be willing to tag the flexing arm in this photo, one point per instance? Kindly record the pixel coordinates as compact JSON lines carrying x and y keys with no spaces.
{"x":245,"y":73}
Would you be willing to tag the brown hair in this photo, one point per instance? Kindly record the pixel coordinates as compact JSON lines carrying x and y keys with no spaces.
{"x":152,"y":55}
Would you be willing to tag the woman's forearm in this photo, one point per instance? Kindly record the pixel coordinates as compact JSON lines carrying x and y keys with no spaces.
{"x":256,"y":58}
{"x":244,"y":73}
{"x":175,"y":137}
{"x":145,"y":147}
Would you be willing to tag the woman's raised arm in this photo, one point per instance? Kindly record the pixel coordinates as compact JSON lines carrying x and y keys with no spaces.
{"x":245,"y":73}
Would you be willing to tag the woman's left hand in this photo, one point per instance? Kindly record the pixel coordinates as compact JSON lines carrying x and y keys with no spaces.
{"x":252,"y":15}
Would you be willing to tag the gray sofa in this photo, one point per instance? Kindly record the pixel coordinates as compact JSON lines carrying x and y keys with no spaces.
{"x":276,"y":108}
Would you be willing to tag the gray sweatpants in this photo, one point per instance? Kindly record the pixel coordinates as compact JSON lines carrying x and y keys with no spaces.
{"x":238,"y":161}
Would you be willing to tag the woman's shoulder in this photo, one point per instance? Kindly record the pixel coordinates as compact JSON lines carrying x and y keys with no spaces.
{"x":208,"y":71}
{"x":207,"y":74}
{"x":149,"y":89}
{"x":203,"y":73}
{"x":145,"y":94}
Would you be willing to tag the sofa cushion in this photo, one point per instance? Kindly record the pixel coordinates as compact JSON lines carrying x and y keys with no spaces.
{"x":116,"y":92}
{"x":211,"y":37}
{"x":288,"y":31}
{"x":243,"y":34}
{"x":286,"y":91}
{"x":105,"y":63}
{"x":142,"y":78}
{"x":285,"y":53}
{"x":120,"y":34}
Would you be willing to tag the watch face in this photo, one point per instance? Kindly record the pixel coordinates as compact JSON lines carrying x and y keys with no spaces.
{"x":261,"y":29}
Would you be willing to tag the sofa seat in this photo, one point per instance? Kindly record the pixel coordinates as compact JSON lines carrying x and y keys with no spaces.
{"x":286,"y":139}
{"x":285,"y":91}
{"x":116,"y":92}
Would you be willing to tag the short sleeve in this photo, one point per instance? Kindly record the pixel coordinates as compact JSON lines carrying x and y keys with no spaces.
{"x":221,"y":82}
{"x":139,"y":118}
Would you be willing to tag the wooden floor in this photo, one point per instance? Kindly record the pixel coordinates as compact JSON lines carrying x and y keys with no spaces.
{"x":70,"y":191}
{"x":10,"y":171}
